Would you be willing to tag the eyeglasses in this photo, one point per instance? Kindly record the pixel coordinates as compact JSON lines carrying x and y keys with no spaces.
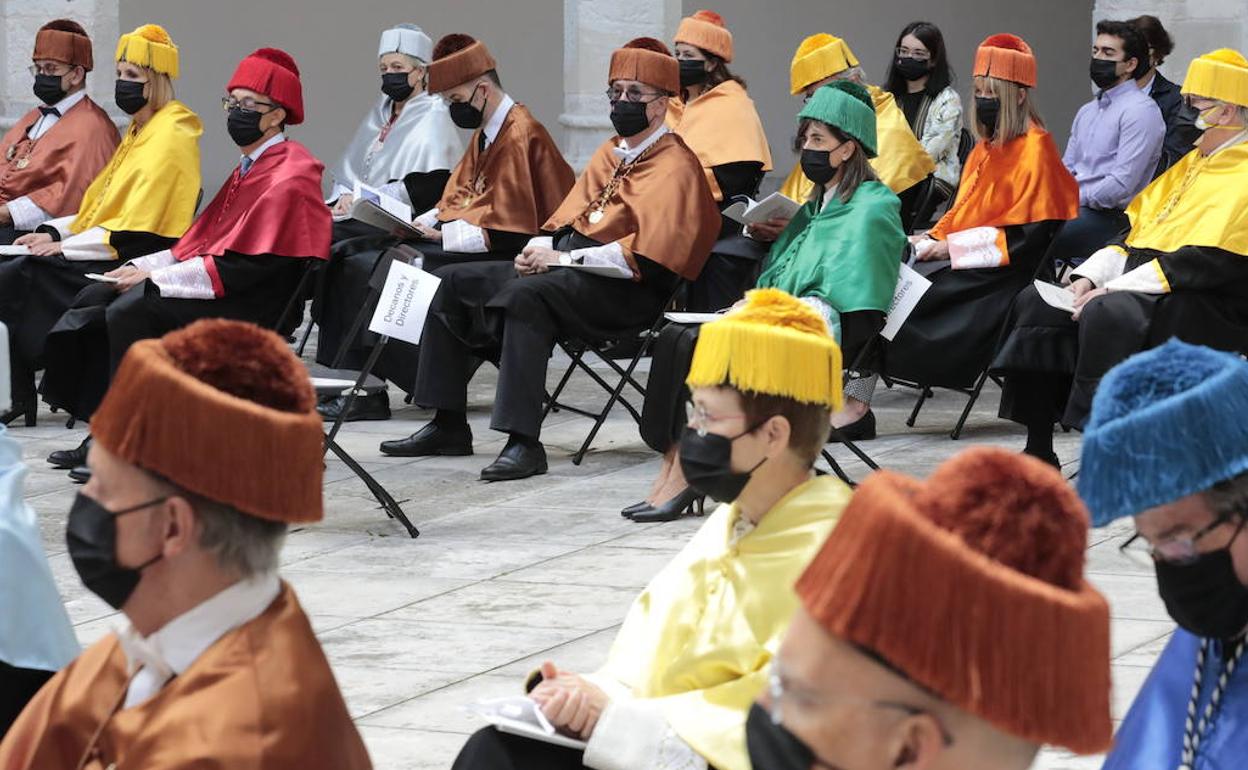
{"x":699,"y":417}
{"x":246,"y":103}
{"x":1174,"y":550}
{"x":48,"y":69}
{"x":632,"y":94}
{"x":780,"y":691}
{"x":921,"y":54}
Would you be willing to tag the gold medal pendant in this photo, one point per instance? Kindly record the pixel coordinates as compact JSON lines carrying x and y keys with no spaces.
{"x":12,"y":151}
{"x":23,"y":163}
{"x":596,"y":216}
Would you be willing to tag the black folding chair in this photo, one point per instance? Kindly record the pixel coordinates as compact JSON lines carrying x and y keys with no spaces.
{"x":363,"y":382}
{"x":631,"y":346}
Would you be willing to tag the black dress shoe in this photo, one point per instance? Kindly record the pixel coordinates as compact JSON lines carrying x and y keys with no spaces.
{"x":65,"y":459}
{"x":431,"y":440}
{"x":80,"y":475}
{"x":862,"y":429}
{"x":636,"y":508}
{"x":1050,"y":458}
{"x":29,"y":408}
{"x":518,"y":460}
{"x":372,"y":406}
{"x":687,"y":502}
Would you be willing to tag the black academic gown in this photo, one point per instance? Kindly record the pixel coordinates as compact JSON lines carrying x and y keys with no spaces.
{"x":952,"y":333}
{"x":88,"y":342}
{"x":484,"y":310}
{"x":735,"y":259}
{"x":36,"y":291}
{"x":1052,"y":365}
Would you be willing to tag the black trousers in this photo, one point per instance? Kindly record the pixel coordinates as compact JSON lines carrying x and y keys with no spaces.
{"x":17,"y":687}
{"x":1079,"y":238}
{"x":489,"y":749}
{"x":34,"y":293}
{"x":484,"y":310}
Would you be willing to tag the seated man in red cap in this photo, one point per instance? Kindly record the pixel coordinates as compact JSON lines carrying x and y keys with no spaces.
{"x":51,"y":154}
{"x":507,"y":184}
{"x":946,"y":624}
{"x":242,"y":258}
{"x":642,"y":215}
{"x":217,"y":665}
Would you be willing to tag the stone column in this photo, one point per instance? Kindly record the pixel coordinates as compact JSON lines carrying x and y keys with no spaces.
{"x":21,"y":19}
{"x":592,"y":29}
{"x":1197,"y":26}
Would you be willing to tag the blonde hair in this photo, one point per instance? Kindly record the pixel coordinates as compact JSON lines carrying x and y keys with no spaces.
{"x":1016,"y":116}
{"x":161,"y":91}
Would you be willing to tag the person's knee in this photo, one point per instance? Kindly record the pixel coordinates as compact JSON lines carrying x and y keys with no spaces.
{"x":484,"y":749}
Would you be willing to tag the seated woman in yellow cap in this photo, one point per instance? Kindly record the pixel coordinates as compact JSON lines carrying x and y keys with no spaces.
{"x":840,"y":255}
{"x":717,"y":119}
{"x":694,"y":650}
{"x":142,"y":202}
{"x":901,"y":163}
{"x":1015,"y":192}
{"x":1181,"y":270}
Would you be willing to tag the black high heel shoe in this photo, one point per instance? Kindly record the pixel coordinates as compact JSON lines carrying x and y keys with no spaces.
{"x":28,"y":408}
{"x":862,"y":429}
{"x":687,"y":502}
{"x":635,"y":509}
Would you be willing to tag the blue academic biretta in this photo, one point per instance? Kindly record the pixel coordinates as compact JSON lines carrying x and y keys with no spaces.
{"x":1165,"y":424}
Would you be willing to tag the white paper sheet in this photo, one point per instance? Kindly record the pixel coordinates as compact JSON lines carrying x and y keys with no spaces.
{"x":910,"y":289}
{"x":404,"y":302}
{"x":1056,"y":296}
{"x":520,"y":715}
{"x":14,"y":251}
{"x":776,"y":205}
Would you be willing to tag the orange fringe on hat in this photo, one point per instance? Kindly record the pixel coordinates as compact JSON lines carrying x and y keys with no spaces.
{"x":64,"y":40}
{"x":706,"y":30}
{"x":646,"y":60}
{"x":458,"y":58}
{"x":971,"y":584}
{"x":222,"y":409}
{"x":1006,"y":57}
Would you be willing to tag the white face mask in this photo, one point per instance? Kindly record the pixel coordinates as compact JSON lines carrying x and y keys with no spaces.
{"x":1203,"y":124}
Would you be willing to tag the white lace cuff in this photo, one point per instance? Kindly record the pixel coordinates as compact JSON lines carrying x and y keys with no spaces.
{"x":26,"y":214}
{"x":184,"y":280}
{"x":632,"y":735}
{"x":429,"y":218}
{"x":1147,"y":278}
{"x":465,"y":238}
{"x":155,"y":261}
{"x":60,"y":225}
{"x":1103,"y":266}
{"x":89,"y":245}
{"x":609,"y":255}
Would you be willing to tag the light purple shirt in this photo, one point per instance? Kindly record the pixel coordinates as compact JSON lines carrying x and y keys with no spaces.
{"x":1114,"y":146}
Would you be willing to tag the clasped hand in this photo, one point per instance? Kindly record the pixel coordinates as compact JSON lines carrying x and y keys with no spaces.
{"x":1085,"y":291}
{"x":570,"y":702}
{"x":536,"y":259}
{"x":40,"y":244}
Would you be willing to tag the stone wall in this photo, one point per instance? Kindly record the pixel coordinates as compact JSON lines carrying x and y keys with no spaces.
{"x":1197,"y":26}
{"x":21,"y":19}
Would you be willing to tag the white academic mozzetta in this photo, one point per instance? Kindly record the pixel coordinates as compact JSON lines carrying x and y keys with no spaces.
{"x":404,"y":302}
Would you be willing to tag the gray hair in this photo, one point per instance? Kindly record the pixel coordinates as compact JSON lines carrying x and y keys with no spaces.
{"x":246,"y":544}
{"x":1229,"y":498}
{"x":854,"y":74}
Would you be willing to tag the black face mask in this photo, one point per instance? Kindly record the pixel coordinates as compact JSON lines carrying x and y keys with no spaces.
{"x":1205,"y":596}
{"x":707,"y":464}
{"x":464,"y":115}
{"x":244,"y":126}
{"x":987,"y":110}
{"x":91,"y":535}
{"x":48,"y":89}
{"x":129,"y":96}
{"x":911,"y":68}
{"x":692,"y":72}
{"x":773,"y":747}
{"x":629,"y":118}
{"x":395,"y":86}
{"x":817,"y":166}
{"x":1104,"y":72}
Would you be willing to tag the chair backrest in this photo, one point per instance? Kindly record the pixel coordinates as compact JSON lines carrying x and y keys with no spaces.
{"x":966,"y":142}
{"x":381,"y":269}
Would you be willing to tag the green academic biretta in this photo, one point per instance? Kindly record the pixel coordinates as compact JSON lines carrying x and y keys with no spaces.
{"x":846,"y":106}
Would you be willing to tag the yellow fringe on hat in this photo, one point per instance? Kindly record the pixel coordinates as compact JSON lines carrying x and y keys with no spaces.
{"x":149,"y":46}
{"x":819,"y":56}
{"x":1221,"y":75}
{"x":776,"y":345}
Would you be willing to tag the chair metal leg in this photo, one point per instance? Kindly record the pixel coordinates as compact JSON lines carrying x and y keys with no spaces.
{"x":552,"y":401}
{"x":851,"y":446}
{"x":837,"y":469}
{"x":924,"y":394}
{"x":303,"y":341}
{"x":625,"y":378}
{"x":970,"y":404}
{"x":382,"y":496}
